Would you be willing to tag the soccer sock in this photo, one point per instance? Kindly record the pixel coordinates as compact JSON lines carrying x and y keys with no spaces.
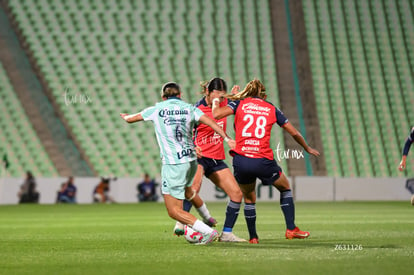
{"x":202,"y":227}
{"x":203,"y":211}
{"x":232,"y":212}
{"x":250,"y":215}
{"x":288,"y":208}
{"x":187,"y":205}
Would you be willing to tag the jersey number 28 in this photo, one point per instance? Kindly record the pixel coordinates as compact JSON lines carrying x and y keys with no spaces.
{"x":259,"y":131}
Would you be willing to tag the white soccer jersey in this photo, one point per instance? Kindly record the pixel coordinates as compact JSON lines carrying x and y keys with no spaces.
{"x":174,"y":121}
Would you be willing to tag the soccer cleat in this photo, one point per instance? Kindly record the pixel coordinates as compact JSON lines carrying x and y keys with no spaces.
{"x":208,"y":238}
{"x":230,"y":237}
{"x":178,"y":229}
{"x":211,"y":222}
{"x":254,"y":241}
{"x":296,"y":234}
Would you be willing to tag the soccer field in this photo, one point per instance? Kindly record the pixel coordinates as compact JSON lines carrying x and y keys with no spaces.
{"x":346,"y":238}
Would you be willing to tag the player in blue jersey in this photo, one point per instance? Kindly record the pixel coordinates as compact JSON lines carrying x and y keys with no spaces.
{"x":406,"y":149}
{"x":174,"y":121}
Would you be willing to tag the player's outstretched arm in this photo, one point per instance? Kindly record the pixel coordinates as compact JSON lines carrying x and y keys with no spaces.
{"x":210,"y":122}
{"x":406,"y":149}
{"x":131,"y":118}
{"x":299,"y":139}
{"x":402,"y":164}
{"x":220,"y":112}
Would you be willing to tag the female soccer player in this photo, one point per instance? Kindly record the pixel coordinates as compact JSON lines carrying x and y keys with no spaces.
{"x":253,"y":158}
{"x":211,"y":163}
{"x":174,"y":121}
{"x":406,"y":149}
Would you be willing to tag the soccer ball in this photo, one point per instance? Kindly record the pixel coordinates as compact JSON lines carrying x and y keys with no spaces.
{"x":191,"y":235}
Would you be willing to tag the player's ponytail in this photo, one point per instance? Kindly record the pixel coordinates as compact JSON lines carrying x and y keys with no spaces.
{"x":203,"y":85}
{"x":254,"y":88}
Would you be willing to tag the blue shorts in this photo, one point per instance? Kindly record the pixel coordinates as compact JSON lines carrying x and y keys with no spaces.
{"x":211,"y":165}
{"x":247,"y":170}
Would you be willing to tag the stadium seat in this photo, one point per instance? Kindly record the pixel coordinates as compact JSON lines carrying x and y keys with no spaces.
{"x":357,"y":63}
{"x":18,"y":139}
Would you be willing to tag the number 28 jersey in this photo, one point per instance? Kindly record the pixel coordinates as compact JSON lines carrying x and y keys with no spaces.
{"x":253,"y":122}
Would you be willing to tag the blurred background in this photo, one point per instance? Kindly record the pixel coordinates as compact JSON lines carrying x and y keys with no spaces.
{"x":341,"y":71}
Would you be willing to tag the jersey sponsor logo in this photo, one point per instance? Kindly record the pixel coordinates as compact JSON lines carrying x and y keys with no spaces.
{"x":184,"y":153}
{"x":245,"y":148}
{"x":167,"y":112}
{"x":173,"y":121}
{"x":253,"y":108}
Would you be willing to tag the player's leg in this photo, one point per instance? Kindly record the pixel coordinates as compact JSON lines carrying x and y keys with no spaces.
{"x":288,"y":208}
{"x":192,"y":198}
{"x":249,"y":195}
{"x":175,"y":211}
{"x":192,"y":192}
{"x":225,"y":180}
{"x":175,"y":179}
{"x":196,"y":200}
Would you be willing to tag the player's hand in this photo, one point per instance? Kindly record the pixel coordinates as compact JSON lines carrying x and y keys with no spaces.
{"x":235,"y":89}
{"x":402,"y":165}
{"x":231,"y":143}
{"x":199,"y":152}
{"x":313,"y":152}
{"x":123,"y":116}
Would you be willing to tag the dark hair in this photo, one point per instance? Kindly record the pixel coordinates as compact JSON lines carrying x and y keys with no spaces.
{"x":216,"y":84}
{"x":170,"y":89}
{"x":29,"y":175}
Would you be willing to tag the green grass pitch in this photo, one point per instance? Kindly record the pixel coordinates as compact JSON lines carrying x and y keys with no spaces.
{"x":346,"y":238}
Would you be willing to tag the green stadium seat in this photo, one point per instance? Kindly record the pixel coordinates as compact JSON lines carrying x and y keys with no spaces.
{"x":18,"y":138}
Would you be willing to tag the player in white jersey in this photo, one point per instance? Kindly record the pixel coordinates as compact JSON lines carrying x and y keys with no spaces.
{"x":174,"y":121}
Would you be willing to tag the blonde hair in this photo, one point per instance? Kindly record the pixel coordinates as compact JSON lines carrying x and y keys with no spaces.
{"x":254,"y":88}
{"x":203,"y":85}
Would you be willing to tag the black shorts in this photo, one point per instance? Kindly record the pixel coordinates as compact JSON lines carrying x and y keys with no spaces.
{"x":211,"y":165}
{"x":247,"y":170}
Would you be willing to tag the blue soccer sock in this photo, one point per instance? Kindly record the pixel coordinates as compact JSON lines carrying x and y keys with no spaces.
{"x":232,"y":212}
{"x":288,"y":208}
{"x":187,"y":205}
{"x":250,"y":215}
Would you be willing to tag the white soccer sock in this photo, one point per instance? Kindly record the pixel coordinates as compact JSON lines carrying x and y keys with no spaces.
{"x":202,"y":227}
{"x":203,"y":211}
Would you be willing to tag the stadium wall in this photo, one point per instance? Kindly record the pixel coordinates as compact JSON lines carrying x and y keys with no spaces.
{"x":123,"y":190}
